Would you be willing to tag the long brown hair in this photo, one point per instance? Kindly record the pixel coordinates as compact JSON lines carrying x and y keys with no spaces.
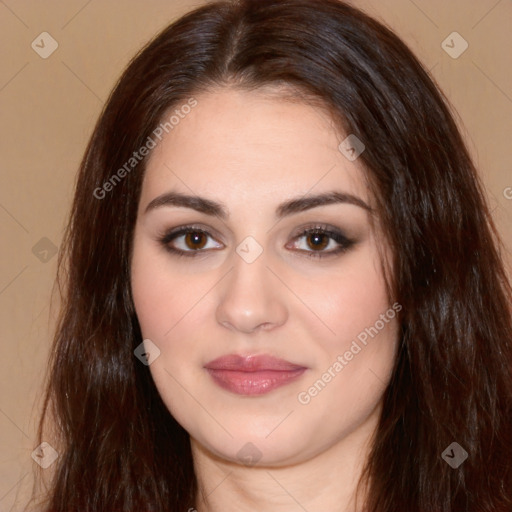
{"x":120,"y":448}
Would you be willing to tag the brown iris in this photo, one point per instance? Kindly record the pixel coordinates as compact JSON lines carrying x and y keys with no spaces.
{"x":317,"y":241}
{"x":195,"y":240}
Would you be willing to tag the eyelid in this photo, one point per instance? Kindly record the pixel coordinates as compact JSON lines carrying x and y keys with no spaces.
{"x":317,"y":226}
{"x":186,"y":228}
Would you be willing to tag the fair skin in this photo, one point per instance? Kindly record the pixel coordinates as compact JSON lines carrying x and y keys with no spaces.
{"x":251,"y":152}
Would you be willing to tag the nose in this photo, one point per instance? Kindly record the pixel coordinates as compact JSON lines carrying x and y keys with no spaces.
{"x":251,"y":298}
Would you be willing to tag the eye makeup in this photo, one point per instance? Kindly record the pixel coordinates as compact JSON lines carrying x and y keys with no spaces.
{"x":315,"y":240}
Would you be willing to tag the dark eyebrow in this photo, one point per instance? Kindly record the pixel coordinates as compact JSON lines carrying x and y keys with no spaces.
{"x":307,"y":202}
{"x":290,"y":207}
{"x":197,"y":203}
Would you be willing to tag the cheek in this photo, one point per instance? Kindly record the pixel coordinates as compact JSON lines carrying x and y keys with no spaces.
{"x":356,"y":346}
{"x":355,"y":360}
{"x":347,"y":301}
{"x":162,"y":296}
{"x":169,"y":311}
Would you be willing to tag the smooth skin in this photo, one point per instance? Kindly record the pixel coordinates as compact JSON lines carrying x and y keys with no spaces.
{"x":251,"y":152}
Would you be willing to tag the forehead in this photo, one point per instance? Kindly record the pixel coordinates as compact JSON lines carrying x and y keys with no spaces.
{"x":242,"y":147}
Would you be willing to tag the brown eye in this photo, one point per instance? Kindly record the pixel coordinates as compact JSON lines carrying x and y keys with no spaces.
{"x":321,"y":241}
{"x":317,"y":241}
{"x":189,"y":241}
{"x":195,"y":240}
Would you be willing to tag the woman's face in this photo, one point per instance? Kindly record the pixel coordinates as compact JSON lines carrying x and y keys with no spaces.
{"x":256,"y":274}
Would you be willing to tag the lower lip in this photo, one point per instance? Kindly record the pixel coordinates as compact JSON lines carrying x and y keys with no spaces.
{"x":254,"y":383}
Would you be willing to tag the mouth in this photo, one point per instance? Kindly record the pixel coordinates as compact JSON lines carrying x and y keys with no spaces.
{"x":252,"y":375}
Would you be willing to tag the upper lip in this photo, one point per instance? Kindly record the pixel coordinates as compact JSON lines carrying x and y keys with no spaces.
{"x":251,"y":363}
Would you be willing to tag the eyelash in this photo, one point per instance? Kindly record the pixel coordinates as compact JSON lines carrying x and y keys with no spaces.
{"x":344,"y":242}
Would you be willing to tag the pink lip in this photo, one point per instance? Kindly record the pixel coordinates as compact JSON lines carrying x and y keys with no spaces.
{"x":252,"y":375}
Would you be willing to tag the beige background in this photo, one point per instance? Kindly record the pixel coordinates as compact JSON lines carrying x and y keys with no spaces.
{"x":48,"y":108}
